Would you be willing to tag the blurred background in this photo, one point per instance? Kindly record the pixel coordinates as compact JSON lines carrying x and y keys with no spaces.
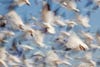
{"x":36,"y":5}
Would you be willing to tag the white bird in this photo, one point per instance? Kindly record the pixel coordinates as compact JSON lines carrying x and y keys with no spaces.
{"x":26,"y":47}
{"x":39,"y":53}
{"x":5,"y":34}
{"x":3,"y":57}
{"x":16,"y":3}
{"x":28,"y":63}
{"x":83,"y":20}
{"x":65,"y":34}
{"x":98,"y":36}
{"x":8,"y":33}
{"x":14,"y":21}
{"x":34,"y":18}
{"x":47,"y":14}
{"x":87,"y":58}
{"x":36,"y":35}
{"x":70,"y":24}
{"x":3,"y":53}
{"x":3,"y":63}
{"x":87,"y":37}
{"x":49,"y":28}
{"x":74,"y":42}
{"x":39,"y":38}
{"x":46,"y":27}
{"x":83,"y":64}
{"x":51,"y":56}
{"x":13,"y":58}
{"x":94,"y":46}
{"x":28,"y":30}
{"x":71,"y":5}
{"x":59,"y":21}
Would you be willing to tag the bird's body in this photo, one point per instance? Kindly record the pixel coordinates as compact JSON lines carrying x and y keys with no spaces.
{"x":17,"y":3}
{"x":51,"y":56}
{"x":71,"y":5}
{"x":47,"y":14}
{"x":4,"y":35}
{"x":59,"y":21}
{"x":98,"y":37}
{"x":14,"y":20}
{"x":87,"y":59}
{"x":76,"y":43}
{"x":70,"y":24}
{"x":83,"y":20}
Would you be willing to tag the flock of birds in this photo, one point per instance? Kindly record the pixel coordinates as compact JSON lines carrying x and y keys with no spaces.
{"x":50,"y":41}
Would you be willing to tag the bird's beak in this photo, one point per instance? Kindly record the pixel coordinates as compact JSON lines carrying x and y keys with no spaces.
{"x":27,"y":2}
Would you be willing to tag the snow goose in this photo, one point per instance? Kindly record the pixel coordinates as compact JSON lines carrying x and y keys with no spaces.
{"x":16,"y":3}
{"x":74,"y":42}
